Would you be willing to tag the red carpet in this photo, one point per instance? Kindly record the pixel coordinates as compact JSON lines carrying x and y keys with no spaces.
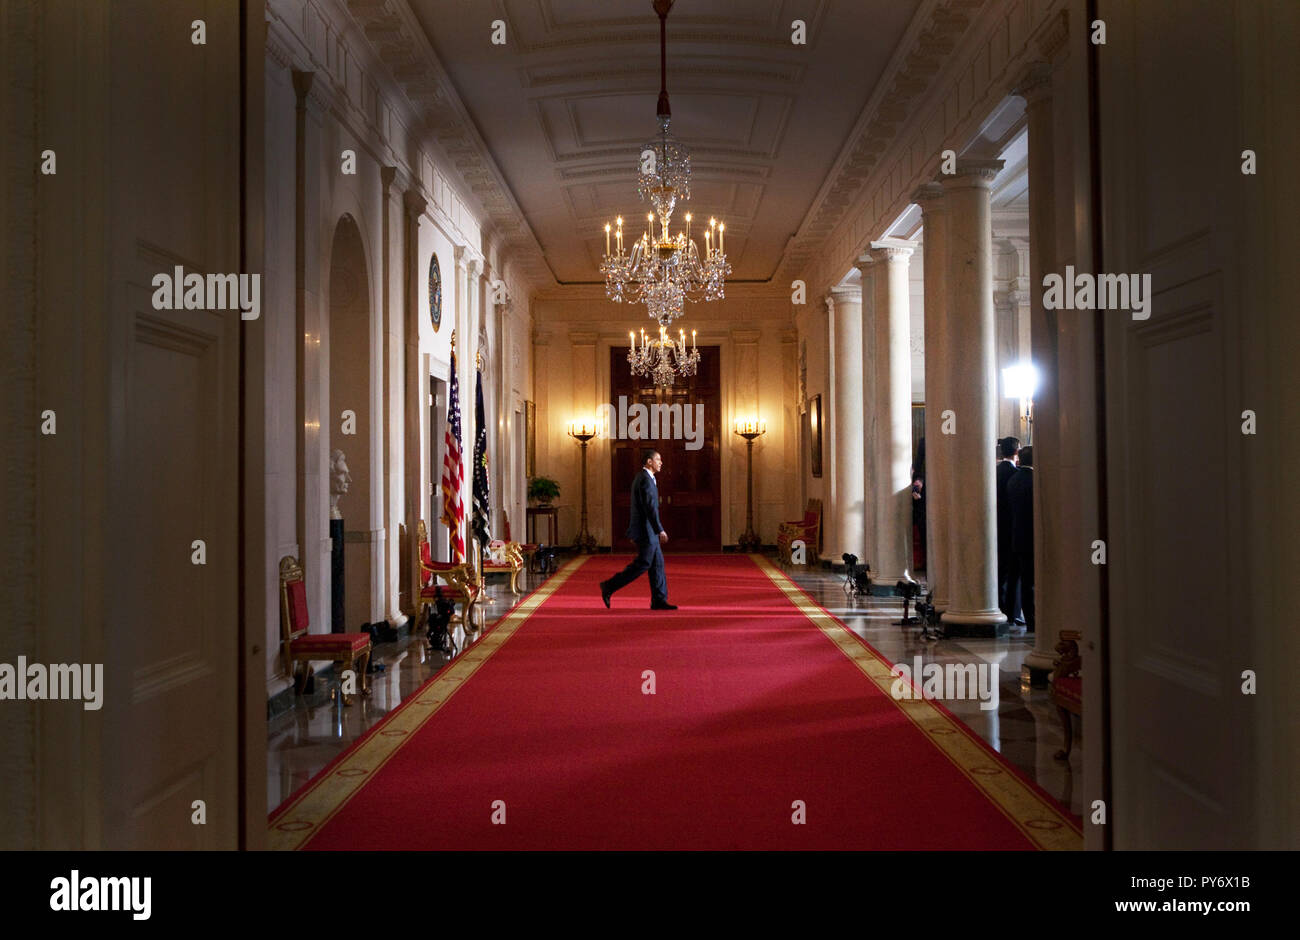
{"x":755,"y":708}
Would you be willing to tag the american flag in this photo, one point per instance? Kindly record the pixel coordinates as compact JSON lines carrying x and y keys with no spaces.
{"x":453,"y":472}
{"x":479,"y":521}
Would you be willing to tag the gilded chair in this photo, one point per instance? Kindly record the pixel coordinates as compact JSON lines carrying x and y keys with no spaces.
{"x":463,"y":583}
{"x":1067,"y":687}
{"x":504,"y":558}
{"x":300,"y":645}
{"x":808,"y":529}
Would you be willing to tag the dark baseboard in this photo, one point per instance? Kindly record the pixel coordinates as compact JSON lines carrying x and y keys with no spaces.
{"x":981,"y":630}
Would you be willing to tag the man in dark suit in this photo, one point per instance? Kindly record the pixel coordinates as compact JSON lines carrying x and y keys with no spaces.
{"x":1008,"y":447}
{"x":644,"y":529}
{"x":1020,"y":493}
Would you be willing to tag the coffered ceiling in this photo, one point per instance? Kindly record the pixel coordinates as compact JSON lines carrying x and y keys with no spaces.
{"x":564,"y":107}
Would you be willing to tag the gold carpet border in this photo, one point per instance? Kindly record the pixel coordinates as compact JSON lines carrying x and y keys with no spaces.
{"x":314,"y":807}
{"x":1038,"y":820}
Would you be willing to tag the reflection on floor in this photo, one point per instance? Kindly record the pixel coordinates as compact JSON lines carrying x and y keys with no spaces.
{"x":1024,"y":727}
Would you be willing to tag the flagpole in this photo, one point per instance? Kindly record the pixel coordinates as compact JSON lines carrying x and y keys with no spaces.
{"x":482,"y":493}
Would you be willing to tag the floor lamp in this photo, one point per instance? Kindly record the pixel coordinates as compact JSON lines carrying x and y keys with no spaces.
{"x":750,"y":430}
{"x":582,"y":432}
{"x":1021,"y":381}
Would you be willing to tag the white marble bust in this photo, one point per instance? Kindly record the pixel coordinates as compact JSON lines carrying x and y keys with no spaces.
{"x":340,"y":480}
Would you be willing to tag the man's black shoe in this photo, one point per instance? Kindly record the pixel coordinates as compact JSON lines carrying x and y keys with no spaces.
{"x":604,"y":593}
{"x":664,"y":606}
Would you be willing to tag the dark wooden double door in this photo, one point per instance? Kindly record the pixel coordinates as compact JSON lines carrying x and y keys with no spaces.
{"x":690,"y":483}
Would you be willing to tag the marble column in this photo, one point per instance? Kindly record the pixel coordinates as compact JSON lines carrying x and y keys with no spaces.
{"x":394,"y":264}
{"x":1010,"y":302}
{"x":972,"y":559}
{"x":311,"y":282}
{"x":938,"y":446}
{"x":414,"y":397}
{"x":891,"y":442}
{"x":1035,"y":87}
{"x":847,"y":476}
{"x":867,"y":272}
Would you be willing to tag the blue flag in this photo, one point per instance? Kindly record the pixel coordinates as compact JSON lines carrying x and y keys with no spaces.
{"x":482,"y":503}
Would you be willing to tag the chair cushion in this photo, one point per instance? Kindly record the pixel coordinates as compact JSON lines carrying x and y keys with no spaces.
{"x":330,"y":643}
{"x":499,"y":565}
{"x":1069,"y":690}
{"x":298,"y":619}
{"x":442,"y":565}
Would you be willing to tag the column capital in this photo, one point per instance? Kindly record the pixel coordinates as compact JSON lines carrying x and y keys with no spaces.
{"x":895,"y":250}
{"x":1034,"y":84}
{"x":973,"y":172}
{"x":929,"y":196}
{"x":1010,"y":298}
{"x":745,"y":337}
{"x":582,"y":337}
{"x":309,"y":90}
{"x":415,"y":204}
{"x":469,"y":259}
{"x":847,"y":294}
{"x":395,"y":181}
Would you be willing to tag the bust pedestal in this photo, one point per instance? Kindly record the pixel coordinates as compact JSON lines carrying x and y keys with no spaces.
{"x":336,"y":576}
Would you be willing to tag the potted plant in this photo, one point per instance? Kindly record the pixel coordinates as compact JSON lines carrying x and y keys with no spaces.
{"x":543,"y":489}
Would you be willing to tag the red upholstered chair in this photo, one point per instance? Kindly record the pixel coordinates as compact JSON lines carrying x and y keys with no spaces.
{"x":1067,"y":686}
{"x":462,"y":584}
{"x":299,"y":645}
{"x":808,"y":529}
{"x":509,"y":559}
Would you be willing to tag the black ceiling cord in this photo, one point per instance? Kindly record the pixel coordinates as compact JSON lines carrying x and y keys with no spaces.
{"x":662,"y":7}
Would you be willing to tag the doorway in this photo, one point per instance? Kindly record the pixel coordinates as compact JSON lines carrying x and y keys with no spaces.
{"x":690,"y":483}
{"x":350,"y":427}
{"x":438,"y":540}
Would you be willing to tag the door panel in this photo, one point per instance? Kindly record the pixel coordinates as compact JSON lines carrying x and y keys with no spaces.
{"x":690,"y":484}
{"x":1182,"y":766}
{"x":170,"y":618}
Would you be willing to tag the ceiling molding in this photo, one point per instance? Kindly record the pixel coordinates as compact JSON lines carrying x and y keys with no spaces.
{"x":398,"y":41}
{"x":935,"y":31}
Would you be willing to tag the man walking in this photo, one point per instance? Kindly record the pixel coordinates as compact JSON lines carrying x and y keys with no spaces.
{"x":649,"y":535}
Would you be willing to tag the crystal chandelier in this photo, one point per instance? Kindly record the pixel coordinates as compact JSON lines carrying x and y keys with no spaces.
{"x":663,"y":269}
{"x":663,"y":359}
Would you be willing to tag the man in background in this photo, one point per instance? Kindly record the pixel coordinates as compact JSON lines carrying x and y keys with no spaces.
{"x":1009,"y":603}
{"x":1020,"y":493}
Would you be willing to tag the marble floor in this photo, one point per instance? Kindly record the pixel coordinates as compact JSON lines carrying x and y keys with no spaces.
{"x":1024,"y":727}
